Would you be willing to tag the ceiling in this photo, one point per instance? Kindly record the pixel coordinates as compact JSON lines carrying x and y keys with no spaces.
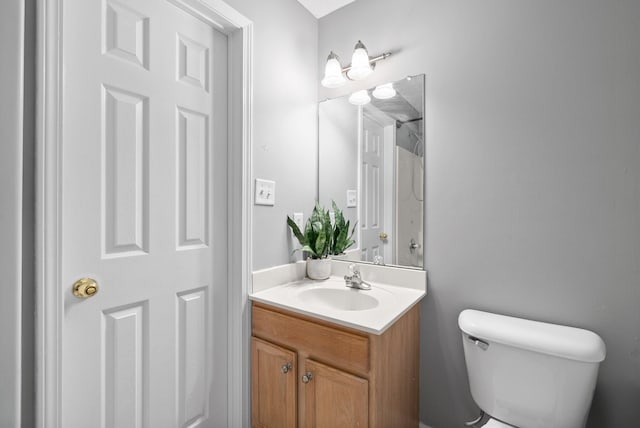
{"x":320,"y":8}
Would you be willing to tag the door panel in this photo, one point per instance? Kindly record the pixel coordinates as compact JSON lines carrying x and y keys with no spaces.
{"x":192,"y":179}
{"x":144,"y":179}
{"x":192,"y":353}
{"x":274,"y":398}
{"x":334,"y":399}
{"x":125,"y":345}
{"x":125,"y":173}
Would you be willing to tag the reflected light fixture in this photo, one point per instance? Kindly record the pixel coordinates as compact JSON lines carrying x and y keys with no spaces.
{"x":360,"y":98}
{"x":362,"y":65}
{"x":384,"y":92}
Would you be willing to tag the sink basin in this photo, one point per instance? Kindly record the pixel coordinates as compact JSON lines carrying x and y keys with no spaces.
{"x":346,"y":299}
{"x":371,"y":311}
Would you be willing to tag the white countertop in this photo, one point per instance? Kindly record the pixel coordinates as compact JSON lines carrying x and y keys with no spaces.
{"x":373,"y":312}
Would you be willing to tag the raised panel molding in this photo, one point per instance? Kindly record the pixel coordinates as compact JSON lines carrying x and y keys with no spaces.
{"x":124,"y":371}
{"x":372,"y":142}
{"x":193,"y":184}
{"x":364,"y":221}
{"x":126,"y":34}
{"x":193,"y":358}
{"x":377,"y":146}
{"x":125,"y":168}
{"x":193,"y":62}
{"x":374,"y":182}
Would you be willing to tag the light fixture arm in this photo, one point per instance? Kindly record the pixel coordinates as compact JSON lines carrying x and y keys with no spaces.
{"x":372,"y":61}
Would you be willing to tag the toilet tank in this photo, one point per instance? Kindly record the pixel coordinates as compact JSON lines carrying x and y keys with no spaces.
{"x":528,"y":373}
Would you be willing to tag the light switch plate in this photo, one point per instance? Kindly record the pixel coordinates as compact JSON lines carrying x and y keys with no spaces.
{"x":352,"y":198}
{"x":265,"y":192}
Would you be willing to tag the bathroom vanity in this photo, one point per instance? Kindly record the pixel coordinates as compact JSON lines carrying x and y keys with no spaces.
{"x":324,"y":355}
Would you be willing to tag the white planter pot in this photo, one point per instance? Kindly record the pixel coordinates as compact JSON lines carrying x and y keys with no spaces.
{"x":319,"y":268}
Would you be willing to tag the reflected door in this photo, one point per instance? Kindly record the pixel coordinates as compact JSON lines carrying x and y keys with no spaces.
{"x":372,"y":190}
{"x":143,"y":195}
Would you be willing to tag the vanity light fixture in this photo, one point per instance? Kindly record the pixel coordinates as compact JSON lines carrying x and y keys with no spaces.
{"x":360,"y":98}
{"x":362,"y":65}
{"x":384,"y":92}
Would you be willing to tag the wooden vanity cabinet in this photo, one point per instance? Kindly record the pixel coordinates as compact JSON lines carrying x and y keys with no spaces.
{"x":310,"y":373}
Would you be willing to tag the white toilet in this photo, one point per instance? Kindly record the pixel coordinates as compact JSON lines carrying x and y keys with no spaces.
{"x":530,"y":374}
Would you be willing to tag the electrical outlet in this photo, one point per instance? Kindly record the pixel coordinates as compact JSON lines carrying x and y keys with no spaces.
{"x":352,"y":198}
{"x":298,"y":219}
{"x":265,"y":192}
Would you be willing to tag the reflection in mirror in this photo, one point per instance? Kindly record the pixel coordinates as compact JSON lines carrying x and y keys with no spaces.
{"x":371,"y":163}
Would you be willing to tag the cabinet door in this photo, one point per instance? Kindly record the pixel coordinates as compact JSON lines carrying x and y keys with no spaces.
{"x":333,"y":398}
{"x":273,"y":389}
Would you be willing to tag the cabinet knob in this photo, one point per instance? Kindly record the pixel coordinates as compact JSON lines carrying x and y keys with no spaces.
{"x":307,"y":377}
{"x":286,"y":368}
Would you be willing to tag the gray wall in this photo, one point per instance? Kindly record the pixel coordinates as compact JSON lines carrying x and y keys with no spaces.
{"x":533,"y":173}
{"x":11,"y":47}
{"x":285,"y":120}
{"x":338,"y":156}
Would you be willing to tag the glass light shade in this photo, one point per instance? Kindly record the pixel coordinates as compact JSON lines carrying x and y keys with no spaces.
{"x":384,"y":92}
{"x":360,"y":66}
{"x":360,"y":98}
{"x":333,"y":72}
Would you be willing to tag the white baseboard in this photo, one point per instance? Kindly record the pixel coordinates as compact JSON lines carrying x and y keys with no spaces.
{"x":424,"y":426}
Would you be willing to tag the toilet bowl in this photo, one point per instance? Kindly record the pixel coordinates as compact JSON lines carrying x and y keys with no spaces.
{"x":530,"y":374}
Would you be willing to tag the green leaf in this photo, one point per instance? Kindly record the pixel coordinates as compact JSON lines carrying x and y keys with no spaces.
{"x":296,"y":230}
{"x":310,"y":250}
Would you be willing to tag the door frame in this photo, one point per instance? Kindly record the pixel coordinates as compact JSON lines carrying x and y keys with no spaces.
{"x":49,"y":300}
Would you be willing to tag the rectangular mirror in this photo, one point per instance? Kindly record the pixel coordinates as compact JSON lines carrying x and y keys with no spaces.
{"x":371,"y":163}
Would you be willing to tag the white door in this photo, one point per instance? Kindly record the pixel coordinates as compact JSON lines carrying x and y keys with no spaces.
{"x":143,"y":182}
{"x":372,"y":191}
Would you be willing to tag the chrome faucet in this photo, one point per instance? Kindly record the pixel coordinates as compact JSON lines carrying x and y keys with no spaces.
{"x":354,"y":280}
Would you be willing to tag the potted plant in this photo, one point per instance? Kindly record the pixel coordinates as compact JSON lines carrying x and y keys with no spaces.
{"x":316,"y":242}
{"x":321,"y":239}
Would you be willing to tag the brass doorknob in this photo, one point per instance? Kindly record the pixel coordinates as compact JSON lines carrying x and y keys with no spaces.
{"x":383,"y":236}
{"x":85,"y":287}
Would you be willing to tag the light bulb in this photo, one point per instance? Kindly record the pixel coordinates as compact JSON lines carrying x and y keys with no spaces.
{"x":360,"y":66}
{"x":333,"y":72}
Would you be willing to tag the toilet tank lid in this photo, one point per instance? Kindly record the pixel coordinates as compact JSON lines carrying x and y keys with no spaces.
{"x":552,"y":339}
